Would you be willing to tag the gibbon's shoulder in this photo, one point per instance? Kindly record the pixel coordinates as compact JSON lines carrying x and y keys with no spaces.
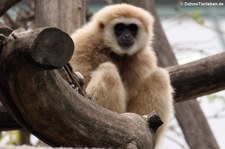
{"x":83,"y":32}
{"x":86,"y":37}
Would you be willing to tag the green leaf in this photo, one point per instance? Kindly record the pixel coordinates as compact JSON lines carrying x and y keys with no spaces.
{"x":196,"y":15}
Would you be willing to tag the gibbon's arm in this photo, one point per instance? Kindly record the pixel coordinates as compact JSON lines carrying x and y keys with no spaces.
{"x":107,"y":88}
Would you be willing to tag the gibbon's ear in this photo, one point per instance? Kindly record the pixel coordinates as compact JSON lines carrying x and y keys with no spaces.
{"x":101,"y":25}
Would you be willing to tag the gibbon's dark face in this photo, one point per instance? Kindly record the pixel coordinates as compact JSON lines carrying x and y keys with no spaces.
{"x":126,"y":34}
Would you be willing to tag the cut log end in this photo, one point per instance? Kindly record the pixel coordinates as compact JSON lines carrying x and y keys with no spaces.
{"x":53,"y":47}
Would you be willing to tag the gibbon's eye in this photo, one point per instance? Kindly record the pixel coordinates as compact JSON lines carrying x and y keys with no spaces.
{"x":133,"y":28}
{"x":119,"y":28}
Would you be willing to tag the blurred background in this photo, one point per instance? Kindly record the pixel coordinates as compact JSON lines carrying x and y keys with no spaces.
{"x":193,"y":32}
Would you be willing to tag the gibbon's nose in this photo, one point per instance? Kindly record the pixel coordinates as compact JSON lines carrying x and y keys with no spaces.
{"x":126,"y":36}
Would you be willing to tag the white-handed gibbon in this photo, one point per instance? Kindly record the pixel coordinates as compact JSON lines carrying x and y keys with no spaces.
{"x":114,"y":54}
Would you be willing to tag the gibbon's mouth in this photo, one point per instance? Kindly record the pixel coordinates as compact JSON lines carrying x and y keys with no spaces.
{"x":125,"y":44}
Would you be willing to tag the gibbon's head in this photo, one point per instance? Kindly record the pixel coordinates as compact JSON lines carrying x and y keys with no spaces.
{"x":126,"y":29}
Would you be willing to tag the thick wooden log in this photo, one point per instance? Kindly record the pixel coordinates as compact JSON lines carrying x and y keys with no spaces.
{"x":46,"y":105}
{"x":44,"y":44}
{"x":198,"y":78}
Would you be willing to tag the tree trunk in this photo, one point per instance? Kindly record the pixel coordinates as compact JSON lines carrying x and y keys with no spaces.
{"x":64,"y":14}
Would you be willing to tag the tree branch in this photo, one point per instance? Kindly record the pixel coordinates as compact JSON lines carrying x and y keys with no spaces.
{"x":6,"y":121}
{"x":198,"y":78}
{"x":45,"y":104}
{"x":6,"y":4}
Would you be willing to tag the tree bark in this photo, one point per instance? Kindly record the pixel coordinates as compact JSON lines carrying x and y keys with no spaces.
{"x":66,"y":15}
{"x":198,"y":78}
{"x":45,"y":104}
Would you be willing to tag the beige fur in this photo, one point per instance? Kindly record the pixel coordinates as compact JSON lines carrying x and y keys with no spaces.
{"x":122,"y":80}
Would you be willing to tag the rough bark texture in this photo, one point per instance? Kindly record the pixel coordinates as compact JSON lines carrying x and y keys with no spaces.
{"x":45,"y":104}
{"x":70,"y":14}
{"x":198,"y":78}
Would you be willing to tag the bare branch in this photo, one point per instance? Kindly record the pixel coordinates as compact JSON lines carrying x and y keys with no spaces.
{"x":198,"y":78}
{"x":6,"y":4}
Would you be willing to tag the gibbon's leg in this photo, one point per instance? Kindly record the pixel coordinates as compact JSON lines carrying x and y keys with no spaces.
{"x":107,"y":88}
{"x":154,"y":94}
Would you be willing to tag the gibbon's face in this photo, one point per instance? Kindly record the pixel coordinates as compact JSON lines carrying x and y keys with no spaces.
{"x":125,"y":36}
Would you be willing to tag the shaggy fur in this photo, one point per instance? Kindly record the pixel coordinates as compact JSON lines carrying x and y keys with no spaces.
{"x":122,"y":80}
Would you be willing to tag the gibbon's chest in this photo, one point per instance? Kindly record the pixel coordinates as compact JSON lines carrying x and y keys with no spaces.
{"x":124,"y":63}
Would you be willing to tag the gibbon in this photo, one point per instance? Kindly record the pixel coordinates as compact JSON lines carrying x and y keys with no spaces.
{"x":114,"y":54}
